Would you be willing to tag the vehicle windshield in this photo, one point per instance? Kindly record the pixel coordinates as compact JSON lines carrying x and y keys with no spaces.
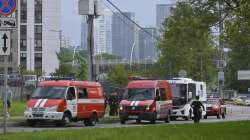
{"x":179,"y":94}
{"x":212,"y":101}
{"x":49,"y":93}
{"x":140,"y":94}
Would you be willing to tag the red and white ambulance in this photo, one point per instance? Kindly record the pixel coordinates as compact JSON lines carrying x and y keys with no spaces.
{"x":65,"y":101}
{"x":149,"y":100}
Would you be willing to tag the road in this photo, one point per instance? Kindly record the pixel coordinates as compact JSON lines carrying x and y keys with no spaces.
{"x":234,"y":114}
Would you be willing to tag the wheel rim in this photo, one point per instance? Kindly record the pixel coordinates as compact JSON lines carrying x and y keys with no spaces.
{"x":66,"y":120}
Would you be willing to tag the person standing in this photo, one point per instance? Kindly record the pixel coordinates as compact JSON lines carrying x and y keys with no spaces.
{"x":197,"y":105}
{"x":9,"y":94}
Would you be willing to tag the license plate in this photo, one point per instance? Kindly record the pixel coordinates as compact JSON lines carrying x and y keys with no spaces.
{"x":133,"y":117}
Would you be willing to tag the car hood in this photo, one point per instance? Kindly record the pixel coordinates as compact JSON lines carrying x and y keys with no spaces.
{"x":43,"y":103}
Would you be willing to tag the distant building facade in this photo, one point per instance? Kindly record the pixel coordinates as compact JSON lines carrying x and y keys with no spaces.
{"x":103,"y":33}
{"x":147,"y":44}
{"x":163,"y":11}
{"x":124,"y":36}
{"x":39,"y":35}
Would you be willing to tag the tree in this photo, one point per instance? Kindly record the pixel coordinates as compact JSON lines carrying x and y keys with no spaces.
{"x":65,"y":64}
{"x":118,"y":75}
{"x":187,"y":44}
{"x":237,"y":38}
{"x":81,"y":72}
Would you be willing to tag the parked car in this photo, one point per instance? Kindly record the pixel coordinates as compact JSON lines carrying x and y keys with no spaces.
{"x":215,"y":107}
{"x":247,"y":101}
{"x":240,"y":100}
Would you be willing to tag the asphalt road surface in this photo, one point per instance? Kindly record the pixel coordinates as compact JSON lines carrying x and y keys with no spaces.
{"x":234,"y":114}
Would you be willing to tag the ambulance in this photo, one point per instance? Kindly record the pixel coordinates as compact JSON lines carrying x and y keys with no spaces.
{"x":148,"y":100}
{"x":64,"y":101}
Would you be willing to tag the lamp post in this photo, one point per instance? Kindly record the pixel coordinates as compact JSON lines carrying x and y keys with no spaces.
{"x":91,"y":9}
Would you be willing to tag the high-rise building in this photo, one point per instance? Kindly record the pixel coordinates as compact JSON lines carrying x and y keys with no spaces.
{"x":124,"y":36}
{"x":103,"y":33}
{"x":39,"y":34}
{"x":147,"y":43}
{"x":162,"y":12}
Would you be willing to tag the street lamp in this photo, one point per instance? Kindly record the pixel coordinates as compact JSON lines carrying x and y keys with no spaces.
{"x":131,"y":54}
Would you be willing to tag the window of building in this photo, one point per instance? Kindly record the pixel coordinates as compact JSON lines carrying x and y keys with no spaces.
{"x":38,"y":11}
{"x":38,"y":61}
{"x":23,"y":11}
{"x":23,"y":60}
{"x":38,"y":37}
{"x":23,"y":38}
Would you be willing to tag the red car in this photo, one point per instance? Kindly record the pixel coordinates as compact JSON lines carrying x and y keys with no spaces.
{"x":215,"y":107}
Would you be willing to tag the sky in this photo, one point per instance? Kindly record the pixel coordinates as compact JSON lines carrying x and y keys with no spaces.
{"x":145,"y":12}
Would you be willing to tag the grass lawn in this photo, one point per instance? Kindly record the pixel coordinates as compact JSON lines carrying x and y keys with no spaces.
{"x":17,"y":108}
{"x":216,"y":131}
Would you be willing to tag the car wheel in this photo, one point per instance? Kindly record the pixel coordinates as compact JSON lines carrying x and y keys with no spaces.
{"x":91,"y":121}
{"x":218,"y":116}
{"x":223,"y":115}
{"x":65,"y":120}
{"x":152,"y":121}
{"x":122,"y":121}
{"x":138,"y":121}
{"x":173,"y":118}
{"x":189,"y":117}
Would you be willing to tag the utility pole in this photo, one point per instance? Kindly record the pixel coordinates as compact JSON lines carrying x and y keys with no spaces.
{"x":8,"y":9}
{"x":221,"y":62}
{"x":5,"y":93}
{"x":91,"y":9}
{"x":90,"y":43}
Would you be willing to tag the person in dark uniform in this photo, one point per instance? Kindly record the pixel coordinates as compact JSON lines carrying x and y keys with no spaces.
{"x":197,"y":106}
{"x":113,"y":104}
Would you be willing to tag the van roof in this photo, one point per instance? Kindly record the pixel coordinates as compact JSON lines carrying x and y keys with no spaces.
{"x":143,"y":83}
{"x":69,"y":83}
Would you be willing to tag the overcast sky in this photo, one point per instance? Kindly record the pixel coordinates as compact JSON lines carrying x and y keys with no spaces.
{"x":145,"y":12}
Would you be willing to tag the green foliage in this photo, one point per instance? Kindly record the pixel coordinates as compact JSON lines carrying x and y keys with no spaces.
{"x":237,"y":38}
{"x":210,"y":131}
{"x":17,"y":108}
{"x":81,"y":72}
{"x":187,"y":44}
{"x":118,"y":75}
{"x":66,"y":66}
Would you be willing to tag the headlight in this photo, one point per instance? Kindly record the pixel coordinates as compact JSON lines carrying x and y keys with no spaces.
{"x":121,"y":108}
{"x":52,"y":109}
{"x":148,"y":107}
{"x":215,"y":106}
